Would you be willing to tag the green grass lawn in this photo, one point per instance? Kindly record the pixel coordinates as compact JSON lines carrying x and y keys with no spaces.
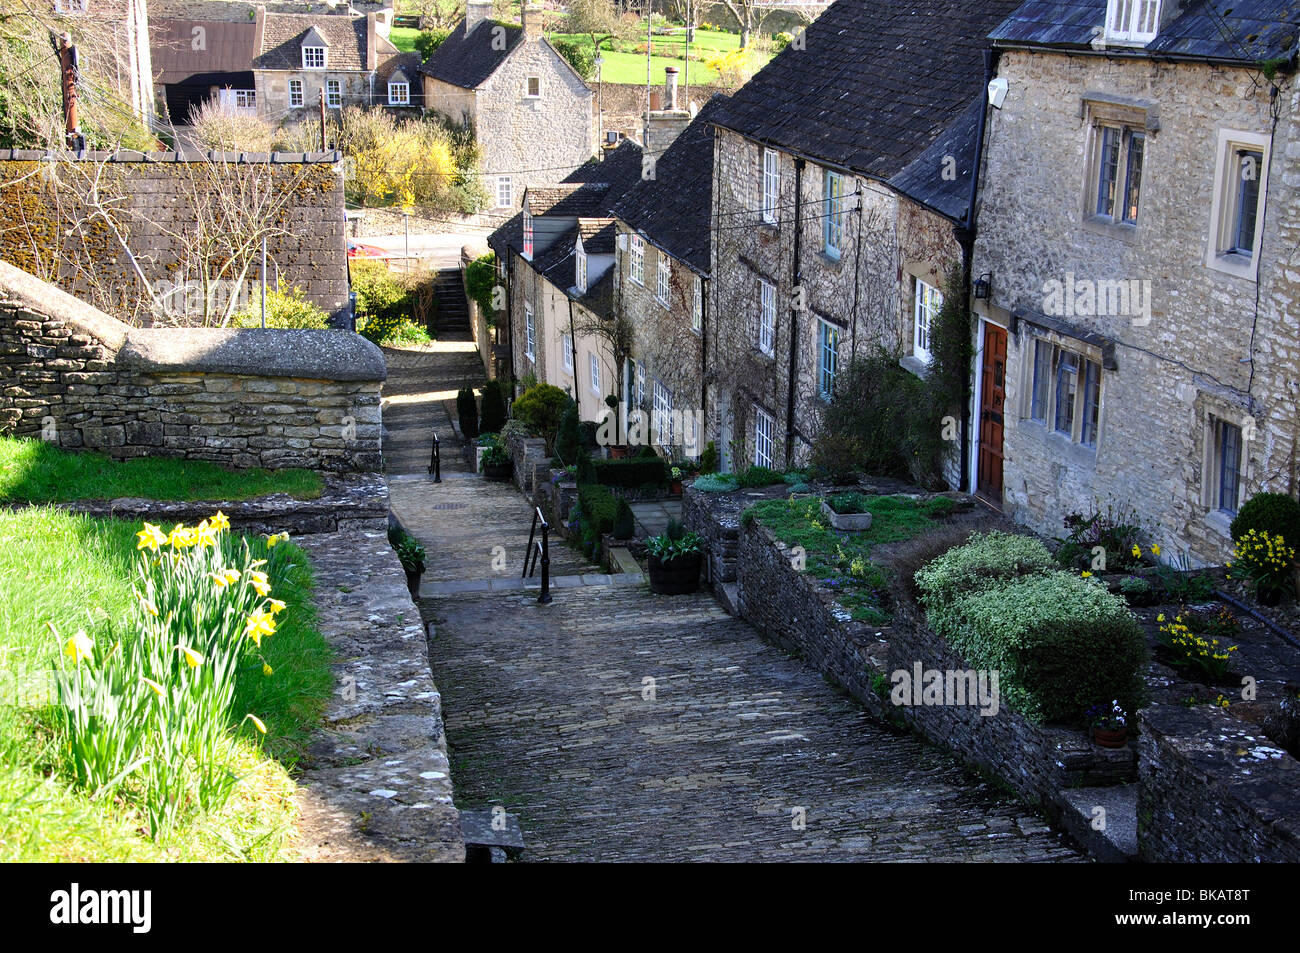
{"x":34,"y":471}
{"x":626,"y":66}
{"x":403,"y":38}
{"x":843,"y":560}
{"x":74,"y":572}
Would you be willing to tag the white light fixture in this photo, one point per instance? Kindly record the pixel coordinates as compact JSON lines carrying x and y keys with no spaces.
{"x":998,"y":92}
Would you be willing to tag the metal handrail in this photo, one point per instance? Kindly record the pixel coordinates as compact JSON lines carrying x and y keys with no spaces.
{"x":435,"y":459}
{"x":540,"y":551}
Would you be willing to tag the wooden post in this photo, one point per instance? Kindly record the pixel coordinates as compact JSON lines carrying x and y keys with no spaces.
{"x":68,"y":71}
{"x":322,"y":119}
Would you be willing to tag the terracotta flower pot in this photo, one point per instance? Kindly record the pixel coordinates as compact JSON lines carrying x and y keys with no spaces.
{"x":618,"y":453}
{"x":676,"y":488}
{"x":1108,"y":738}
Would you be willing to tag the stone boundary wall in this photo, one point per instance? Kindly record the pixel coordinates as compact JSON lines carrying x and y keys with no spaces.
{"x":47,"y":230}
{"x":244,"y":398}
{"x":1212,"y":791}
{"x":791,"y":609}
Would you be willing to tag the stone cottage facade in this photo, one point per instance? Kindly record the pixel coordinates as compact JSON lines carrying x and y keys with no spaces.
{"x":1140,"y":220}
{"x":530,"y":111}
{"x":349,"y":58}
{"x":841,"y":202}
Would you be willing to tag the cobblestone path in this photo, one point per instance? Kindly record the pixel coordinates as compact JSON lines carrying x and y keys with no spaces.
{"x":420,"y":395}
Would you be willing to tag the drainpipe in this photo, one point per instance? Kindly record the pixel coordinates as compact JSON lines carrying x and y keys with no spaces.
{"x":797,"y":276}
{"x":510,"y":318}
{"x":704,"y":364}
{"x":965,"y":234}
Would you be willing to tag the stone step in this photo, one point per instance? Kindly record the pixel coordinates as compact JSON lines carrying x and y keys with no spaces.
{"x":490,"y":836}
{"x":621,"y":561}
{"x":729,"y":596}
{"x":1081,"y":813}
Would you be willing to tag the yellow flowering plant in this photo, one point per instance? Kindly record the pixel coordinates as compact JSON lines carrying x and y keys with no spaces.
{"x":1192,"y":648}
{"x":1264,"y":560}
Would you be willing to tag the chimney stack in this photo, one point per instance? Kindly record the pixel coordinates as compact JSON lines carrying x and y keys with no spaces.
{"x":476,"y":11}
{"x":670,"y":87}
{"x":531,"y":18}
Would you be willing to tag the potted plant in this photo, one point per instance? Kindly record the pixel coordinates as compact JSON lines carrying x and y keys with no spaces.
{"x":497,"y":464}
{"x":676,"y":481}
{"x":411,"y":553}
{"x":617,"y":451}
{"x":847,"y":512}
{"x":1109,"y":725}
{"x":675,"y":560}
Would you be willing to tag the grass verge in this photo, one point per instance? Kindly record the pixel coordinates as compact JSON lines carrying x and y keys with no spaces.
{"x":34,"y":471}
{"x":77,"y":572}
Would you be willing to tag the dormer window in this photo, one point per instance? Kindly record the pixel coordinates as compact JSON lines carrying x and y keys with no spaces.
{"x":1132,"y":21}
{"x":399,"y":91}
{"x":528,"y":235}
{"x":313,"y":57}
{"x":580,"y":269}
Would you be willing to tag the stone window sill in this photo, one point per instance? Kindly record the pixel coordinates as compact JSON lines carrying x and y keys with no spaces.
{"x":1231,"y":263}
{"x":1219,"y":521}
{"x":831,"y":262}
{"x":1123,"y":231}
{"x":916,"y":365}
{"x":1061,"y":446}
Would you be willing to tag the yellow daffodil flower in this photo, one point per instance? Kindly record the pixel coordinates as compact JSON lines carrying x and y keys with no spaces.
{"x":259,"y":624}
{"x":1155,"y":549}
{"x":219,"y":580}
{"x":276,"y":606}
{"x":220,"y":522}
{"x":151,"y":537}
{"x":79,"y":647}
{"x":157,"y":689}
{"x":257,"y":723}
{"x":181,"y":537}
{"x":267,"y":670}
{"x":260,"y":583}
{"x":148,"y":605}
{"x":1137,"y":551}
{"x":1085,"y":574}
{"x":192,"y":657}
{"x":204,"y":535}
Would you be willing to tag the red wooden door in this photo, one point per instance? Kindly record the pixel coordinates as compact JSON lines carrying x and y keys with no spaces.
{"x":992,"y":398}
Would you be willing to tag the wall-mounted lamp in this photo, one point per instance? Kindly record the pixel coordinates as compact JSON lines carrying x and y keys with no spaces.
{"x":984,"y":287}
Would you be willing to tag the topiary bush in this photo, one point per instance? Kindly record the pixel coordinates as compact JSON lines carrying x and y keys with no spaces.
{"x":1059,"y":643}
{"x":568,"y":441}
{"x":586,"y":470}
{"x":624,"y":521}
{"x":987,"y":559}
{"x":709,"y":458}
{"x":540,"y":409}
{"x":1276,"y":514}
{"x":467,"y":411}
{"x":493,"y":412}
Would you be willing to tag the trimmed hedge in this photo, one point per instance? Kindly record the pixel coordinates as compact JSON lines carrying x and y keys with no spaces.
{"x":1276,"y":514}
{"x":633,"y":472}
{"x":598,"y":507}
{"x":1060,"y":643}
{"x":987,"y":560}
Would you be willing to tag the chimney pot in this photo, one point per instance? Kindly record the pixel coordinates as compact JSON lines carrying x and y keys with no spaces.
{"x":670,"y":87}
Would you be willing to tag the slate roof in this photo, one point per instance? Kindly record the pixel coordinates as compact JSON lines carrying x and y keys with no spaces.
{"x":230,"y":48}
{"x":1239,"y":31}
{"x":673,"y":210}
{"x":468,"y":60}
{"x":878,"y":82}
{"x":283,"y":34}
{"x":923,"y":179}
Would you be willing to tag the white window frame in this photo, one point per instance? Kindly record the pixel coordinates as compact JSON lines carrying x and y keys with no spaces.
{"x":580,"y":270}
{"x":661,"y":420}
{"x":640,"y":384}
{"x":927,"y":302}
{"x":593,"y":366}
{"x":528,"y":82}
{"x":296,"y":97}
{"x":764,"y":438}
{"x":1220,"y":253}
{"x":528,"y":235}
{"x":399,"y":93}
{"x":1134,"y":22}
{"x":663,"y":280}
{"x":309,"y":57}
{"x":566,"y":343}
{"x":334,"y":93}
{"x":834,"y":207}
{"x":530,"y":333}
{"x":636,"y":267}
{"x":245,"y":99}
{"x":765,"y":338}
{"x":697,"y":305}
{"x":771,"y":184}
{"x":828,"y":345}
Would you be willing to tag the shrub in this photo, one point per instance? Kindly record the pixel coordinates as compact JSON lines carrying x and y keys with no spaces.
{"x":709,"y":458}
{"x":847,"y":504}
{"x":493,"y":412}
{"x":586,"y":472}
{"x":568,"y":442}
{"x":1276,"y":514}
{"x":1138,"y":591}
{"x":1264,"y":560}
{"x":598,"y":506}
{"x":579,"y":55}
{"x":1059,"y":642}
{"x":540,"y":409}
{"x":481,"y":282}
{"x":632,"y":472}
{"x":911,"y":555}
{"x":757,"y":476}
{"x":467,"y":411}
{"x":1117,"y":532}
{"x":383,"y":300}
{"x":624,"y":521}
{"x":986,"y":560}
{"x":227,"y":129}
{"x":286,"y":307}
{"x":429,"y":40}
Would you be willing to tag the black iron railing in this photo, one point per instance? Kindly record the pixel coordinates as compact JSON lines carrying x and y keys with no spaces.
{"x":539,"y":550}
{"x":435,"y":459}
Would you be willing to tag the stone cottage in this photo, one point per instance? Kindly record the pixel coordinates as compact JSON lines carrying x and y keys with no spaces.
{"x":661,"y":285}
{"x":841,"y":202}
{"x":557,"y":259}
{"x":350,"y":58}
{"x":1140,"y":224}
{"x":531,"y":112}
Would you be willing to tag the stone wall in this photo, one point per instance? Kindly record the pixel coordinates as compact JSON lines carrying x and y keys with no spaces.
{"x":1213,"y":791}
{"x":1207,"y":350}
{"x":246,"y":398}
{"x":50,"y":228}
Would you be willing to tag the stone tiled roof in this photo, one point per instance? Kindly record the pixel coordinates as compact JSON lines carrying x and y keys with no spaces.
{"x":1242,"y":31}
{"x":282,"y":39}
{"x":598,"y":235}
{"x":566,"y":198}
{"x":468,"y":60}
{"x":877,"y":83}
{"x":673,"y":209}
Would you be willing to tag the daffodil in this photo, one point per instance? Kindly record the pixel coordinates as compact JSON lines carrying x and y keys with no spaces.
{"x":257,"y":723}
{"x":260,"y":583}
{"x":276,"y":606}
{"x":181,"y":537}
{"x":220,"y":522}
{"x":148,"y":606}
{"x":259,"y":624}
{"x":151,"y":537}
{"x":1086,"y":575}
{"x":157,"y":689}
{"x":1155,"y":549}
{"x":79,"y":647}
{"x":204,"y":535}
{"x":275,"y":539}
{"x":192,"y":657}
{"x":1137,"y":551}
{"x":267,"y":670}
{"x":219,"y":580}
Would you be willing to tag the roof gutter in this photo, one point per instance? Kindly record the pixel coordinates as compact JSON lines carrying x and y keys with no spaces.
{"x":1131,"y":53}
